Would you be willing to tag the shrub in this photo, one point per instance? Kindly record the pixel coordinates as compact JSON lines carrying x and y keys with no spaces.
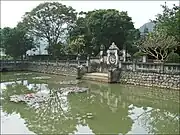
{"x":138,"y":54}
{"x":173,"y":58}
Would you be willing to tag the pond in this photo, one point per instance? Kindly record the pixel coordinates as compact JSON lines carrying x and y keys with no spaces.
{"x":114,"y":108}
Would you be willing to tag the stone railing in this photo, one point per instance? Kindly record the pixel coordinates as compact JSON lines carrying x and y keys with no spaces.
{"x":170,"y":68}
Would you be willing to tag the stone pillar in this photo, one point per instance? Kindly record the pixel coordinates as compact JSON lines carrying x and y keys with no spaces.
{"x":162,"y":67}
{"x":110,"y":76}
{"x":124,"y":55}
{"x":78,"y":73}
{"x":144,"y":59}
{"x":120,"y":64}
{"x":134,"y":66}
{"x":101,"y":65}
{"x":56,"y":62}
{"x":88,"y":64}
{"x":78,"y":61}
{"x":102,"y":48}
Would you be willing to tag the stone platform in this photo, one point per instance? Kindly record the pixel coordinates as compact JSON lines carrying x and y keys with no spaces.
{"x":100,"y":77}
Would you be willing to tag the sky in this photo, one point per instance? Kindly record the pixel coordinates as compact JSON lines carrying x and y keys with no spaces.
{"x":140,"y":11}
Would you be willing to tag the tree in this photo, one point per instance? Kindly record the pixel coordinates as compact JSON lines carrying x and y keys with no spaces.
{"x":49,"y":21}
{"x":173,"y":57}
{"x":81,"y":30}
{"x":16,"y":42}
{"x":104,"y":27}
{"x":77,"y":45}
{"x":158,"y":45}
{"x":169,"y":22}
{"x":58,"y":49}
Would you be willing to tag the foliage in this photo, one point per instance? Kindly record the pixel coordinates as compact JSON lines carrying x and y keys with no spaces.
{"x":169,"y":22}
{"x":138,"y":54}
{"x":16,"y":42}
{"x":50,"y":21}
{"x":57,"y":49}
{"x":7,"y":57}
{"x":173,"y":58}
{"x":158,"y":45}
{"x":104,"y":27}
{"x":77,"y":45}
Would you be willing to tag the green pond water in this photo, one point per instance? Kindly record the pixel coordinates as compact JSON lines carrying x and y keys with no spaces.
{"x":115,"y":108}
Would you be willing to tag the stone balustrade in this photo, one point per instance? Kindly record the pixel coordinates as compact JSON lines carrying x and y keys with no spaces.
{"x":169,"y":68}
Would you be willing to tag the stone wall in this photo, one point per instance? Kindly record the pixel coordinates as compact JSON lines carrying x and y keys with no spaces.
{"x":17,"y":66}
{"x":55,"y":68}
{"x":60,"y":69}
{"x":170,"y":81}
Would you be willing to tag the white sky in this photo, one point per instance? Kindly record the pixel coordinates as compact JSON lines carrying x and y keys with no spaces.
{"x":140,"y":11}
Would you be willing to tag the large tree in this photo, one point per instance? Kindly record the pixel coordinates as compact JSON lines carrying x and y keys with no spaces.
{"x":49,"y":21}
{"x":104,"y":27}
{"x":16,"y":42}
{"x":169,"y":22}
{"x":157,"y":44}
{"x":80,"y":32}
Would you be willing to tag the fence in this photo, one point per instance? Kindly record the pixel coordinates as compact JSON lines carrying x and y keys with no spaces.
{"x":171,"y":68}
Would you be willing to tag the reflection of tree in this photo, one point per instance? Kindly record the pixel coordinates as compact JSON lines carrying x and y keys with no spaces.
{"x":48,"y":118}
{"x":104,"y":121}
{"x":162,"y":118}
{"x":159,"y":122}
{"x":108,"y":106}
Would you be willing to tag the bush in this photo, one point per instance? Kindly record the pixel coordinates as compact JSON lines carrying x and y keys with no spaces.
{"x":138,"y":54}
{"x":173,"y":58}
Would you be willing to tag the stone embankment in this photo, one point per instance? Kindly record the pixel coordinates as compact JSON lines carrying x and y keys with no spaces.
{"x":168,"y":81}
{"x":138,"y":74}
{"x":59,"y":69}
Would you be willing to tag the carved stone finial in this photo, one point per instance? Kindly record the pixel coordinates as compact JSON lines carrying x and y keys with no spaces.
{"x":113,"y":47}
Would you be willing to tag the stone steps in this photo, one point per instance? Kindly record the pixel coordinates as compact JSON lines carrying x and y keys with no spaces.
{"x":100,"y":77}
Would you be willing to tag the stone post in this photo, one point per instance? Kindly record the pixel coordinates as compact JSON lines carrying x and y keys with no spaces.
{"x":102,"y":48}
{"x":78,"y":72}
{"x":124,"y":55}
{"x":144,"y":59}
{"x":88,"y":64}
{"x":78,"y":68}
{"x":101,"y":63}
{"x":110,"y":76}
{"x":134,"y":66}
{"x":56,"y":62}
{"x":78,"y":57}
{"x":162,"y":67}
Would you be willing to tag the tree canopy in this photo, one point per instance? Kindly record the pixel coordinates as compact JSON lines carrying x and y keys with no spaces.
{"x":104,"y":27}
{"x":67,"y":31}
{"x":157,"y":44}
{"x":16,"y":42}
{"x":50,"y":21}
{"x":169,"y":22}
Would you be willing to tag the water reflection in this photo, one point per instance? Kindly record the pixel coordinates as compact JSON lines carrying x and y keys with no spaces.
{"x":116,"y":110}
{"x":13,"y":124}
